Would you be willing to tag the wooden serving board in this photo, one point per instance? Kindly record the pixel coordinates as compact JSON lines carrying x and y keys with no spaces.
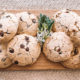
{"x":42,"y":63}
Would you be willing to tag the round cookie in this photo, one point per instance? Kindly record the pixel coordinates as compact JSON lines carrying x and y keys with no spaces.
{"x":74,"y":61}
{"x":23,"y":50}
{"x":8,"y":27}
{"x":4,"y":59}
{"x":10,"y":16}
{"x":69,"y":22}
{"x":75,"y":31}
{"x":58,"y":47}
{"x":63,"y":20}
{"x":28,"y":23}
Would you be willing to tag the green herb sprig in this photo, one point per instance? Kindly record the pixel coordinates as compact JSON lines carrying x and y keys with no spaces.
{"x":45,"y":26}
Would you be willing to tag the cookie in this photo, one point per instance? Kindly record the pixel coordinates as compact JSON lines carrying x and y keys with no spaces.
{"x":58,"y":47}
{"x":8,"y":27}
{"x":23,"y":50}
{"x":69,"y":22}
{"x":74,"y":61}
{"x":4,"y":59}
{"x":63,"y":20}
{"x":12,"y":17}
{"x":28,"y":23}
{"x":75,"y":32}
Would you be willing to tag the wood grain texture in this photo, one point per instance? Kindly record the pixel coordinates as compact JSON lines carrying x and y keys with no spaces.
{"x":42,"y":63}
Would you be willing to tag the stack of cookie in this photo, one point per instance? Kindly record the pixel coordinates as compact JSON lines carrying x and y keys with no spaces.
{"x":64,"y":44}
{"x":18,"y":43}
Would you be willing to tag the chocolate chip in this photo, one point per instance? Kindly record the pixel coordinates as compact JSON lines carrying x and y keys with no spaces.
{"x":73,"y":30}
{"x":7,"y":16}
{"x":0,"y":25}
{"x":22,"y":46}
{"x":57,"y":16}
{"x":28,"y":25}
{"x":26,"y":38}
{"x":11,"y":50}
{"x":57,"y":49}
{"x":0,"y":51}
{"x":67,"y":11}
{"x":16,"y":62}
{"x":75,"y":23}
{"x":27,"y":49}
{"x":21,"y":19}
{"x":34,"y":20}
{"x":60,"y":52}
{"x":3,"y":59}
{"x":29,"y":13}
{"x":2,"y":13}
{"x":75,"y":51}
{"x":1,"y":33}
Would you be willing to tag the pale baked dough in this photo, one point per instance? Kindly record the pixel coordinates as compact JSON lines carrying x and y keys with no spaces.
{"x":74,"y":61}
{"x":8,"y":27}
{"x":58,"y":47}
{"x":23,"y":50}
{"x":4,"y":59}
{"x":28,"y":23}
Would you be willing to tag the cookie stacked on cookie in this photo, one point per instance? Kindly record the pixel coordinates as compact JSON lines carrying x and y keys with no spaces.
{"x":64,"y":44}
{"x":8,"y":29}
{"x":22,"y":35}
{"x":18,"y":44}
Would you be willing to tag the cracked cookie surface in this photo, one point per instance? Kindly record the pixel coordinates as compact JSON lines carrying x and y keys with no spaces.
{"x":28,"y":23}
{"x":4,"y":59}
{"x":69,"y":22}
{"x":23,"y":50}
{"x":58,"y":47}
{"x":74,"y":61}
{"x":8,"y":27}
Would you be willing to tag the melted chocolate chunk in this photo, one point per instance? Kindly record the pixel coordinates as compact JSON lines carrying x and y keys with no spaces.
{"x":21,"y":19}
{"x":73,"y":30}
{"x":3,"y":59}
{"x":75,"y":51}
{"x":27,"y":49}
{"x":22,"y":46}
{"x":75,"y":23}
{"x":57,"y":49}
{"x":57,"y":16}
{"x":60,"y":52}
{"x":0,"y":25}
{"x":26,"y":38}
{"x":29,"y":13}
{"x":1,"y":33}
{"x":2,"y":13}
{"x":0,"y":51}
{"x":11,"y":50}
{"x":34,"y":20}
{"x":16,"y":62}
{"x":67,"y":11}
{"x":7,"y":16}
